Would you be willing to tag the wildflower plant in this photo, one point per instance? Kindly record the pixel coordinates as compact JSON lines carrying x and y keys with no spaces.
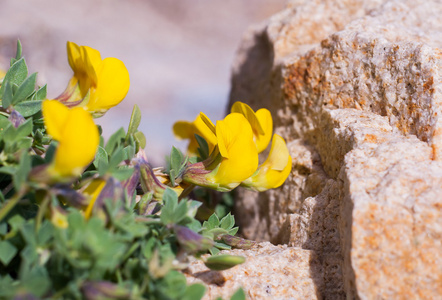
{"x":85,"y":218}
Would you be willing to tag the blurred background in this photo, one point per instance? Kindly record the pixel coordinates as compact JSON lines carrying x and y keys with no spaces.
{"x":178,"y":53}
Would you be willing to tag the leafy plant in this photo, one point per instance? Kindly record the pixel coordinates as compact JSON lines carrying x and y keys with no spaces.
{"x":109,"y":228}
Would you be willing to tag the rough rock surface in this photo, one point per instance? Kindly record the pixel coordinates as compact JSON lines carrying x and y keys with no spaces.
{"x":355,"y":89}
{"x":270,"y":272}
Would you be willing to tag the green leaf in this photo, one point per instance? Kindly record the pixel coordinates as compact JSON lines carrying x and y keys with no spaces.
{"x":16,"y":222}
{"x":19,"y":50}
{"x":41,"y":93}
{"x":45,"y":233}
{"x":24,"y":129}
{"x":239,"y":295}
{"x":140,"y":138}
{"x":8,"y":170}
{"x":3,"y":228}
{"x":135,"y":119}
{"x":129,"y":152}
{"x":24,"y":143}
{"x":116,"y":158}
{"x":123,"y":173}
{"x":170,"y":199}
{"x":227,"y":222}
{"x":28,"y":108}
{"x":115,"y":140}
{"x":49,"y":156}
{"x":203,"y":149}
{"x":16,"y":74}
{"x":176,"y":157}
{"x":24,"y":167}
{"x":100,"y":157}
{"x":180,"y":212}
{"x":25,"y":89}
{"x":212,"y":222}
{"x":7,"y":95}
{"x":7,"y":252}
{"x":36,"y":281}
{"x":194,"y":292}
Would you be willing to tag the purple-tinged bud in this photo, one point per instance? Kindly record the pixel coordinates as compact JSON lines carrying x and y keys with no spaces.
{"x":16,"y":118}
{"x":150,"y":183}
{"x":70,"y":196}
{"x":25,"y":296}
{"x":147,"y":206}
{"x":95,"y":290}
{"x":191,"y":241}
{"x":130,"y":185}
{"x":237,"y":242}
{"x":112,"y":190}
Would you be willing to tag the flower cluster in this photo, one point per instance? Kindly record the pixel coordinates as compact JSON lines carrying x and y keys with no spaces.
{"x":234,"y":144}
{"x":81,"y":218}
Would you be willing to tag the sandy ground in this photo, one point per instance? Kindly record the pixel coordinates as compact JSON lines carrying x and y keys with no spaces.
{"x":178,"y":53}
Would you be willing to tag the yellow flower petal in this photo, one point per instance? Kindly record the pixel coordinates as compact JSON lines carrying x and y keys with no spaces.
{"x":275,"y":170}
{"x":76,"y":133}
{"x":74,"y":55}
{"x":91,"y":62}
{"x":183,"y":130}
{"x":187,"y":130}
{"x":112,"y":86}
{"x":55,"y":116}
{"x":208,"y":122}
{"x":261,"y":122}
{"x":240,"y":157}
{"x":247,"y":111}
{"x":93,"y":190}
{"x":265,"y":119}
{"x":79,"y":144}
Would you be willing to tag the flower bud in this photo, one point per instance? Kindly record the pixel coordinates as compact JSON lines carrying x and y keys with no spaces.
{"x":191,"y":241}
{"x":100,"y":290}
{"x":223,"y":261}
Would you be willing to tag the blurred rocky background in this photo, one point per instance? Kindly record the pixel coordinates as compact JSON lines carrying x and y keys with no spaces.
{"x":178,"y":53}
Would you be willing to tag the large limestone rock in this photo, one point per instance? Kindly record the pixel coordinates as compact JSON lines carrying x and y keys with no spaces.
{"x":355,"y":89}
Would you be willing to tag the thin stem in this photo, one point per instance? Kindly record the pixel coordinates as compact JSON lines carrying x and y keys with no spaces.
{"x":41,"y":211}
{"x":187,"y":191}
{"x":9,"y":205}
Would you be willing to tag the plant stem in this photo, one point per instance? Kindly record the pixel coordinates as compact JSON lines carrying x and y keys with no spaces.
{"x":41,"y":211}
{"x":9,"y":205}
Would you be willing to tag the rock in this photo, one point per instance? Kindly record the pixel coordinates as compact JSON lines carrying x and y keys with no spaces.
{"x":355,"y":89}
{"x":270,"y":272}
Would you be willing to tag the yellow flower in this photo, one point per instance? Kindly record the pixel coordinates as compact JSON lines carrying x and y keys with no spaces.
{"x":234,"y":160}
{"x":187,"y":130}
{"x":261,"y":122}
{"x":275,"y":170}
{"x":239,"y":155}
{"x":58,"y":217}
{"x":93,"y":190}
{"x":97,"y":84}
{"x":77,"y":135}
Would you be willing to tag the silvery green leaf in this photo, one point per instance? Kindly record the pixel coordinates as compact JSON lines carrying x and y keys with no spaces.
{"x":7,"y":252}
{"x":16,"y":74}
{"x":25,"y":89}
{"x":28,"y":108}
{"x":135,"y":120}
